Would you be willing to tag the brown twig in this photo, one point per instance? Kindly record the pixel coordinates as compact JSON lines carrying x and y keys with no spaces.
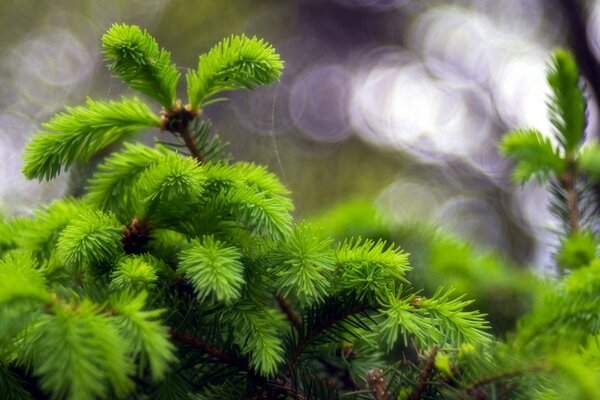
{"x":210,"y":349}
{"x":425,"y":374}
{"x":178,"y":121}
{"x":288,"y":310}
{"x":192,"y":145}
{"x":568,"y":181}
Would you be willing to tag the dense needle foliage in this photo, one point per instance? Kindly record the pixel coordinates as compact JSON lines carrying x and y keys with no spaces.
{"x":182,"y":275}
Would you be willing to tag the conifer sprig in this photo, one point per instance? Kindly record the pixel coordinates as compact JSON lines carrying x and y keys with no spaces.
{"x":113,"y":185}
{"x":234,"y":63}
{"x":90,"y":240}
{"x":535,"y":154}
{"x":566,"y":104}
{"x":136,"y":58}
{"x":214,"y":269}
{"x":80,"y":132}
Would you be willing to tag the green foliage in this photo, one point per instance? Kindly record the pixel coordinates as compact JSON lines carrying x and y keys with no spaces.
{"x":134,"y":273}
{"x":304,"y":264}
{"x":214,"y":269}
{"x":81,"y":355}
{"x":112,"y":186}
{"x":149,"y":339}
{"x":435,"y":320}
{"x":567,"y":103}
{"x":181,"y":276}
{"x":172,"y":179}
{"x":368,"y":267}
{"x":20,"y":280}
{"x":40,"y":233}
{"x":535,"y":155}
{"x":258,"y":332}
{"x":234,"y":63}
{"x":137,"y":60}
{"x":78,"y":134}
{"x":90,"y":240}
{"x":577,"y":250}
{"x":589,"y":160}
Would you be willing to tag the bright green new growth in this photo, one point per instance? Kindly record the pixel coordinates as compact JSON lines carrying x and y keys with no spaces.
{"x":213,"y":269}
{"x":183,"y":275}
{"x":535,"y":154}
{"x":566,"y":103}
{"x":83,"y":131}
{"x":234,"y":63}
{"x":135,"y":57}
{"x":89,"y":240}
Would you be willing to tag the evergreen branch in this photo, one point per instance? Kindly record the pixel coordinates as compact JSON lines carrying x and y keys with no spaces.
{"x":577,"y":250}
{"x":210,"y":146}
{"x":133,"y":273}
{"x":289,"y":389}
{"x":214,"y":269}
{"x":234,"y":63}
{"x":449,"y":315}
{"x":400,"y":317}
{"x":369,"y":267}
{"x":136,"y":58}
{"x":75,"y":136}
{"x":20,"y":280}
{"x":259,"y":212}
{"x":535,"y":155}
{"x":90,"y":240}
{"x":81,"y":354}
{"x":304,"y":264}
{"x":320,"y":318}
{"x":564,"y":315}
{"x":257,"y":333}
{"x":41,"y":232}
{"x":566,"y":103}
{"x":172,"y":179}
{"x":434,"y":320}
{"x":425,"y":374}
{"x":112,"y":186}
{"x":147,"y":337}
{"x":211,"y":350}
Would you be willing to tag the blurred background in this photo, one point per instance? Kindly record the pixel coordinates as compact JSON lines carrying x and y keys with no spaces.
{"x":396,"y":102}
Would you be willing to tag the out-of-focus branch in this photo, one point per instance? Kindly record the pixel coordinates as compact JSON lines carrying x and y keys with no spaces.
{"x":574,"y":13}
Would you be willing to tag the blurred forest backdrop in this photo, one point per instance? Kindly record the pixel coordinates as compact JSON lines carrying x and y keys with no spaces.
{"x":400,"y":102}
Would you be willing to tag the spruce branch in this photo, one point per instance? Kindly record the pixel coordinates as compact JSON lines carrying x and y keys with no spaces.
{"x":137,"y":60}
{"x":235,"y":63}
{"x":80,"y":132}
{"x":535,"y":155}
{"x":209,"y":349}
{"x":320,"y":319}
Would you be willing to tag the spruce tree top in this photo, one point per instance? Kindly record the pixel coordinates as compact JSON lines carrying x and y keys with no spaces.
{"x":180,"y":275}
